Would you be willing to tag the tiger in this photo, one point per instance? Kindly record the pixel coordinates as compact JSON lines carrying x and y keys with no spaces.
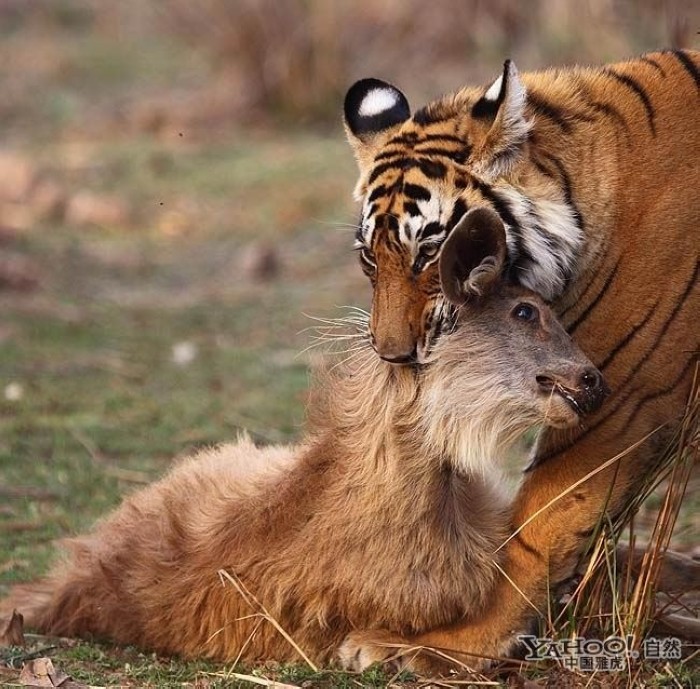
{"x":595,"y":173}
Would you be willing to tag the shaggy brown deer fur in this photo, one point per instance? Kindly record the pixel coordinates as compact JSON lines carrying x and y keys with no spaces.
{"x":387,"y":516}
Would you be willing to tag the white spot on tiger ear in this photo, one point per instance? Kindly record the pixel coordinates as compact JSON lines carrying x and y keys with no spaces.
{"x":494,"y":89}
{"x":377,"y":101}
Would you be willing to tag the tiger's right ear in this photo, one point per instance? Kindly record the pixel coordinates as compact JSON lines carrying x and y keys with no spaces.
{"x":473,"y":256}
{"x":373,"y":110}
{"x":501,"y":110}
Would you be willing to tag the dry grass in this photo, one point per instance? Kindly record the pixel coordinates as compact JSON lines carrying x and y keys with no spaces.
{"x":258,"y":610}
{"x":633,"y":600}
{"x":610,"y":601}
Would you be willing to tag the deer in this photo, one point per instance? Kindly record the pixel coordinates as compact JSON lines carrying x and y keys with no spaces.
{"x":388,"y":514}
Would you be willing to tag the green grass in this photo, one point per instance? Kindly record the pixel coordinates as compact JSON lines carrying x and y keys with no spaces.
{"x":101,"y":664}
{"x":103,"y":395}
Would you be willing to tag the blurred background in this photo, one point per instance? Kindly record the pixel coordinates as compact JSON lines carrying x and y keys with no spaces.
{"x":175,"y":197}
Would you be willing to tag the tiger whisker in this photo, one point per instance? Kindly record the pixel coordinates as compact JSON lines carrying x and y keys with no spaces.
{"x":322,"y":332}
{"x":317,"y":345}
{"x":350,"y":330}
{"x":360,"y":342}
{"x":350,"y":321}
{"x":337,"y":338}
{"x":340,"y":363}
{"x":359,"y":315}
{"x":331,"y":321}
{"x":354,"y":308}
{"x":337,"y":224}
{"x":349,"y":350}
{"x":308,"y":348}
{"x":337,"y":332}
{"x":352,"y":356}
{"x":369,"y":361}
{"x":324,"y":327}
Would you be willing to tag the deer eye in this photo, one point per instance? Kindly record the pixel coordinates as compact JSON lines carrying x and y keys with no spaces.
{"x":525,"y":312}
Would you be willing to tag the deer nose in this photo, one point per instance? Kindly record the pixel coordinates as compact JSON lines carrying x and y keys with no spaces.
{"x":592,"y":380}
{"x":594,"y":388}
{"x":585,"y":389}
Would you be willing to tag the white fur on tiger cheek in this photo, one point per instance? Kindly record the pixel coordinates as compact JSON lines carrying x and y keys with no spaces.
{"x":377,"y":101}
{"x":544,"y":224}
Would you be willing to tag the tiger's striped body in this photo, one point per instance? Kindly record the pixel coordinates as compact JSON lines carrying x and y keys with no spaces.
{"x":595,"y":172}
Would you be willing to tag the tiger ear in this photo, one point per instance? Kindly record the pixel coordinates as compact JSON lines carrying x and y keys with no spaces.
{"x":502,"y":110}
{"x":373,"y":110}
{"x":473,"y":255}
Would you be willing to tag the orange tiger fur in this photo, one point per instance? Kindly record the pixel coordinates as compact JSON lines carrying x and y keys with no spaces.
{"x":595,"y":172}
{"x":388,"y":515}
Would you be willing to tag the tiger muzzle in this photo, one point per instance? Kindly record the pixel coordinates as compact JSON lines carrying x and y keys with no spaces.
{"x":394,"y":351}
{"x":394,"y":324}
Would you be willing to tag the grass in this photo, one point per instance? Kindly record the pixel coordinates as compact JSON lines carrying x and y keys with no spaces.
{"x":93,"y":349}
{"x":95,"y":664}
{"x":610,"y":601}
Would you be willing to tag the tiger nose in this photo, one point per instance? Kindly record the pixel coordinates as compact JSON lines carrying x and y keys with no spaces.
{"x":395,"y":352}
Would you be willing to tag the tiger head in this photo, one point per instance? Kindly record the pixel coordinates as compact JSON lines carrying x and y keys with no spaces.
{"x":418,"y":176}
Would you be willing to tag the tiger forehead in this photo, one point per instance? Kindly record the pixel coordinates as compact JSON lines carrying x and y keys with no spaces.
{"x":434,"y":155}
{"x":402,"y":186}
{"x":413,"y":166}
{"x":414,"y":186}
{"x":429,"y":125}
{"x":426,"y":192}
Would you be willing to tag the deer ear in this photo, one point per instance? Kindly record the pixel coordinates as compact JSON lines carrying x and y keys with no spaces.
{"x":473,"y":255}
{"x":502,"y":110}
{"x":373,"y":110}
